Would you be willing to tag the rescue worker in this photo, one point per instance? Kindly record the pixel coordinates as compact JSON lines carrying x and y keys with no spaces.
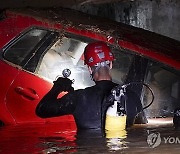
{"x":87,"y":105}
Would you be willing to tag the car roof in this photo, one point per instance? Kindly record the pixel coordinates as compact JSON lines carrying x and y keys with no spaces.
{"x":142,"y":42}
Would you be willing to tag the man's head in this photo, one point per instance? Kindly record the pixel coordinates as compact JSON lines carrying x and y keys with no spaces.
{"x":99,"y":57}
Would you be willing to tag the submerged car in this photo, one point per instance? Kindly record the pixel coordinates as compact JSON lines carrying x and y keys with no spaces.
{"x":38,"y":46}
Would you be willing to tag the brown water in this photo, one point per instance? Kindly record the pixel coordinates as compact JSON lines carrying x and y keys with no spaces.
{"x":63,"y":138}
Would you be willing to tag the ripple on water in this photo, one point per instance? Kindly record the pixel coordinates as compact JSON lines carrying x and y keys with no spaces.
{"x":63,"y":138}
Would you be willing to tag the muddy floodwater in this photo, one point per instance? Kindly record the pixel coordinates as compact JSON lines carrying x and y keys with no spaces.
{"x":64,"y":138}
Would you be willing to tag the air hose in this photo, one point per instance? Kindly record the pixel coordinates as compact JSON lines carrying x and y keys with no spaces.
{"x":123,"y":87}
{"x":147,"y":86}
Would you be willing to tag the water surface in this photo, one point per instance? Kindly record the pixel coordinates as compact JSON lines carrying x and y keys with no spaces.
{"x":64,"y":138}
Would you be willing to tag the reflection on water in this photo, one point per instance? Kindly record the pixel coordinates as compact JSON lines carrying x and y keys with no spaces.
{"x":116,"y":144}
{"x":116,"y":140}
{"x":63,"y":138}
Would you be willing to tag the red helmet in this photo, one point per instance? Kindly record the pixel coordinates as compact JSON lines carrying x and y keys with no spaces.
{"x":97,"y":52}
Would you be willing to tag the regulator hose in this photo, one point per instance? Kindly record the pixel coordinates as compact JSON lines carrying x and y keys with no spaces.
{"x":136,"y":83}
{"x":151,"y":94}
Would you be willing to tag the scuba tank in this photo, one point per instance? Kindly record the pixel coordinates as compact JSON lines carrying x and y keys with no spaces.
{"x":116,"y":115}
{"x":115,"y":122}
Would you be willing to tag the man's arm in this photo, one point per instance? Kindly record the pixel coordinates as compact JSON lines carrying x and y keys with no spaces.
{"x":50,"y":106}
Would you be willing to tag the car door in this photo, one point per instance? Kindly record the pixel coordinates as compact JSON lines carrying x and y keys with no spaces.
{"x":48,"y":59}
{"x":27,"y":88}
{"x":7,"y":75}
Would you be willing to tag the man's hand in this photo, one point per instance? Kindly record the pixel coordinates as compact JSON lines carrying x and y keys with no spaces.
{"x":63,"y":84}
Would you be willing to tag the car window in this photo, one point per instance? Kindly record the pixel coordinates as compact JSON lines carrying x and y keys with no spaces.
{"x":121,"y":65}
{"x":166,"y":88}
{"x":67,"y":54}
{"x":19,"y":50}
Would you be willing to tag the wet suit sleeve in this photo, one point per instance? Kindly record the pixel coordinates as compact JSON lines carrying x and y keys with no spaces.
{"x":50,"y":106}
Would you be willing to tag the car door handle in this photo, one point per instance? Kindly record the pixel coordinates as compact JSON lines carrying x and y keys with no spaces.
{"x":27,"y":93}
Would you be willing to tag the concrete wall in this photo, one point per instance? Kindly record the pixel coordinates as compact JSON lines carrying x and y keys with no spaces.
{"x":160,"y":16}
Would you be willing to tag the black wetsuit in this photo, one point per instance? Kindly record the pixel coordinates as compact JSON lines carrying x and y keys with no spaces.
{"x":86,"y":105}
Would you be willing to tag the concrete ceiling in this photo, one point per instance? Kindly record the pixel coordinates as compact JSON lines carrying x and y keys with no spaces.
{"x":50,"y":3}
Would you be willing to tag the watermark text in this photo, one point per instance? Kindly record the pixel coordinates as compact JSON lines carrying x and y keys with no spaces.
{"x":155,"y":139}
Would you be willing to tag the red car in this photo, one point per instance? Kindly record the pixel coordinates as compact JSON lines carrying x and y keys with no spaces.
{"x":37,"y":46}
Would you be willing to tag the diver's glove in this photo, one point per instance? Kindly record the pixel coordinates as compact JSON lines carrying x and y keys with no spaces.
{"x":63,"y":84}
